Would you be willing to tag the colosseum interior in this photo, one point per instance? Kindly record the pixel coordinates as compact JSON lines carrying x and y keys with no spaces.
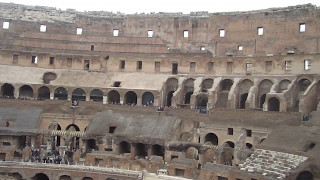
{"x":112,"y":96}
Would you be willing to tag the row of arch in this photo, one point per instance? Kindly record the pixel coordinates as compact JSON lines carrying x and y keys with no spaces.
{"x":61,"y":93}
{"x":213,"y":139}
{"x":141,"y":149}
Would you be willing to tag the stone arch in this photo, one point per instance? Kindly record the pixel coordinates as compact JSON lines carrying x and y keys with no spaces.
{"x":124,"y":147}
{"x":249,"y":146}
{"x":187,"y":97}
{"x":303,"y":84}
{"x":16,"y":175}
{"x":228,"y":144}
{"x":57,"y":139}
{"x":244,"y":88}
{"x":226,"y":84}
{"x":79,"y":94}
{"x":283,"y":85}
{"x":44,"y":92}
{"x":25,"y":91}
{"x":87,"y":178}
{"x":157,"y":150}
{"x":188,"y":87}
{"x":130,"y":98}
{"x":264,"y":88}
{"x":75,"y":141}
{"x":243,"y":99}
{"x":171,"y":87}
{"x":96,"y":95}
{"x":211,"y":138}
{"x":7,"y":90}
{"x":141,"y":150}
{"x":206,"y":84}
{"x":64,"y":177}
{"x":40,"y":176}
{"x":61,"y":93}
{"x":305,"y":175}
{"x":273,"y":104}
{"x":192,"y":153}
{"x":201,"y":101}
{"x":114,"y":97}
{"x":147,"y":98}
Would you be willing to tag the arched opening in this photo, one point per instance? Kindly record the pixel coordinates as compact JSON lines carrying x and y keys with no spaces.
{"x":7,"y":90}
{"x":61,"y":93}
{"x":44,"y":92}
{"x":91,"y":145}
{"x":141,"y":150}
{"x":49,"y":76}
{"x":206,"y":84}
{"x":187,"y":97}
{"x":264,"y":88}
{"x":114,"y":97}
{"x":305,"y":175}
{"x":226,"y":85}
{"x":249,"y":146}
{"x":124,"y":147}
{"x":58,"y":138}
{"x":192,"y":153}
{"x":169,"y":98}
{"x":25,"y":91}
{"x":303,"y":84}
{"x":228,"y":144}
{"x":130,"y":98}
{"x":96,"y":95}
{"x":273,"y":104}
{"x":147,"y":99}
{"x":262,"y":100}
{"x":79,"y":94}
{"x":40,"y":176}
{"x":87,"y":178}
{"x":65,"y":177}
{"x":75,"y":141}
{"x":201,"y":101}
{"x":283,"y":85}
{"x":157,"y":150}
{"x":211,"y":138}
{"x":243,"y":100}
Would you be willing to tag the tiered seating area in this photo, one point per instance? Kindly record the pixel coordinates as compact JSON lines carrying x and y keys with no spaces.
{"x":271,"y":163}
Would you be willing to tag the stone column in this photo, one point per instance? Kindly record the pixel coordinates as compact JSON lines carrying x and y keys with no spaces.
{"x":133,"y":151}
{"x":87,"y":96}
{"x":16,"y":91}
{"x":139,"y":101}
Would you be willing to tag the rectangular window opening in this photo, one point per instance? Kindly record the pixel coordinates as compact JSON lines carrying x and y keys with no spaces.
{"x":6,"y":143}
{"x":287,"y":65}
{"x":268,"y":66}
{"x":173,"y":157}
{"x":15,"y":58}
{"x":193,"y":66}
{"x":174,"y":68}
{"x":139,"y":65}
{"x":229,"y":67}
{"x":202,"y":48}
{"x":69,"y":62}
{"x":34,"y":59}
{"x":222,"y":32}
{"x":51,"y":60}
{"x":230,"y":131}
{"x":108,"y":149}
{"x":157,"y":66}
{"x":122,"y":64}
{"x":302,"y":27}
{"x":116,"y":32}
{"x":240,"y":48}
{"x":179,"y":172}
{"x":5,"y":25}
{"x":43,"y":28}
{"x":79,"y":31}
{"x":185,"y":33}
{"x":92,"y":47}
{"x":307,"y":64}
{"x":116,"y":84}
{"x":86,"y":64}
{"x":249,"y":132}
{"x":211,"y":66}
{"x":150,"y":33}
{"x":260,"y":31}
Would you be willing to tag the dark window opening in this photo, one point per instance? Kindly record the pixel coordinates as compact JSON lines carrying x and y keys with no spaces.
{"x":15,"y":58}
{"x":157,"y":150}
{"x":249,"y":146}
{"x":116,"y":84}
{"x":212,"y":138}
{"x":6,"y":143}
{"x":305,"y":175}
{"x":108,"y":149}
{"x":114,"y":97}
{"x":157,"y":66}
{"x":51,"y":60}
{"x":122,"y":64}
{"x":130,"y":98}
{"x":173,"y":157}
{"x":92,"y":47}
{"x":249,"y":132}
{"x":112,"y":129}
{"x":106,"y":58}
{"x":174,"y":68}
{"x":61,"y":94}
{"x":34,"y":60}
{"x":86,"y":64}
{"x":7,"y":90}
{"x":243,"y":100}
{"x":230,"y":131}
{"x":187,"y":98}
{"x":124,"y":147}
{"x":91,"y":145}
{"x":141,"y":150}
{"x":179,"y":172}
{"x":273,"y":104}
{"x":96,"y":95}
{"x":139,"y":64}
{"x":222,"y":178}
{"x":169,"y":98}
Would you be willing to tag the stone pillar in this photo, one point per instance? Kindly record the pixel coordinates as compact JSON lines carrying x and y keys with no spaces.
{"x":133,"y":151}
{"x":149,"y":150}
{"x":35,"y":93}
{"x":105,"y":100}
{"x":51,"y":95}
{"x":16,"y":92}
{"x":139,"y":101}
{"x":87,"y":96}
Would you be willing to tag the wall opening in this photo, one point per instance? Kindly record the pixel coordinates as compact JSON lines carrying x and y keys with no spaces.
{"x":65,"y":177}
{"x":112,"y":129}
{"x":273,"y":104}
{"x":169,"y":98}
{"x":206,"y":84}
{"x":91,"y":145}
{"x":34,"y":59}
{"x":40,"y":176}
{"x":230,"y":131}
{"x":139,"y":65}
{"x":87,"y":178}
{"x":7,"y":90}
{"x":211,"y":138}
{"x":305,"y":175}
{"x":79,"y":94}
{"x":96,"y":95}
{"x":262,"y":100}
{"x":157,"y":150}
{"x":25,"y":91}
{"x":283,"y":85}
{"x":124,"y":147}
{"x":122,"y":64}
{"x":303,"y":84}
{"x":174,"y":68}
{"x":228,"y":144}
{"x":75,"y":141}
{"x":249,"y":146}
{"x":48,"y":77}
{"x":187,"y":98}
{"x":157,"y":66}
{"x":44,"y":92}
{"x":130,"y":98}
{"x":51,"y":60}
{"x":201,"y":101}
{"x":226,"y":84}
{"x":179,"y":172}
{"x":86,"y":64}
{"x":141,"y":150}
{"x":243,"y":100}
{"x":147,"y":99}
{"x":61,"y":93}
{"x":114,"y":97}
